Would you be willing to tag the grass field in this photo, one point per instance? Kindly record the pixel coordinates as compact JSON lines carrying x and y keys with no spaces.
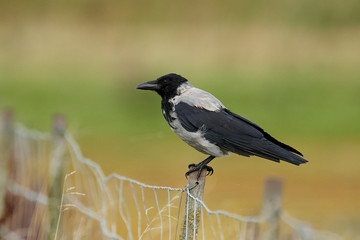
{"x":298,"y":79}
{"x":308,"y":104}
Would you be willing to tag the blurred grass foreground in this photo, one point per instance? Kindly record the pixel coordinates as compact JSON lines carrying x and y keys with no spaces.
{"x":289,"y":66}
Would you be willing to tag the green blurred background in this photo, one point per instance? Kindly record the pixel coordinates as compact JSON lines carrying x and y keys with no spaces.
{"x":293,"y":67}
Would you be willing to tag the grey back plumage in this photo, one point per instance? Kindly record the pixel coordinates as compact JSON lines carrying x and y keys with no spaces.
{"x":197,"y":98}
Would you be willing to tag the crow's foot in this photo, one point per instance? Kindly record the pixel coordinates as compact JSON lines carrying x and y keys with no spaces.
{"x":199,"y":167}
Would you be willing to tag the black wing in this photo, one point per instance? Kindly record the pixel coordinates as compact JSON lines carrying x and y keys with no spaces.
{"x":234,"y":133}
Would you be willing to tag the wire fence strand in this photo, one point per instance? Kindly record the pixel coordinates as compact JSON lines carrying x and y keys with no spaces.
{"x":114,"y":206}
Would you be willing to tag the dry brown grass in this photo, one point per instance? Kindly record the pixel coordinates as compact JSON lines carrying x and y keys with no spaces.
{"x":125,"y":49}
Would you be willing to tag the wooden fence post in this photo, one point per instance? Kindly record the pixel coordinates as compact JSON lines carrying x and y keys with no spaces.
{"x":57,"y":165}
{"x":6,"y":155}
{"x":192,"y":209}
{"x":271,"y":210}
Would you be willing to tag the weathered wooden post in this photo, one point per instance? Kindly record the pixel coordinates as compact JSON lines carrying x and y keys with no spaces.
{"x":192,"y":209}
{"x":6,"y":156}
{"x":57,"y":166}
{"x":271,"y":210}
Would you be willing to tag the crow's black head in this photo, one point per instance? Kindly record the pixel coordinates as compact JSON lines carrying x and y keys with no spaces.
{"x":166,"y":86}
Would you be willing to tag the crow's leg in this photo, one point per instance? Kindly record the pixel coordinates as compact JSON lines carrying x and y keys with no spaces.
{"x":200,"y":166}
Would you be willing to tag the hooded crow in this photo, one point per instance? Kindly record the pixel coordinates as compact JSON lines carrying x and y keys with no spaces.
{"x":204,"y":123}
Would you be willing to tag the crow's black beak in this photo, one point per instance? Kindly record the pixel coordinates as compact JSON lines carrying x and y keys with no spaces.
{"x":152,"y":85}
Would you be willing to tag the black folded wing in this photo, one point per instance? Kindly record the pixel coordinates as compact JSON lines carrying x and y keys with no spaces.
{"x":234,"y":133}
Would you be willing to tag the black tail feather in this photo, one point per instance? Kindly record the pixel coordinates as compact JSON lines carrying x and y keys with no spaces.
{"x":271,"y":151}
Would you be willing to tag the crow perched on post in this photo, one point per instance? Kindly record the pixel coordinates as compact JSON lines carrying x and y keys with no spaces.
{"x":204,"y":123}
